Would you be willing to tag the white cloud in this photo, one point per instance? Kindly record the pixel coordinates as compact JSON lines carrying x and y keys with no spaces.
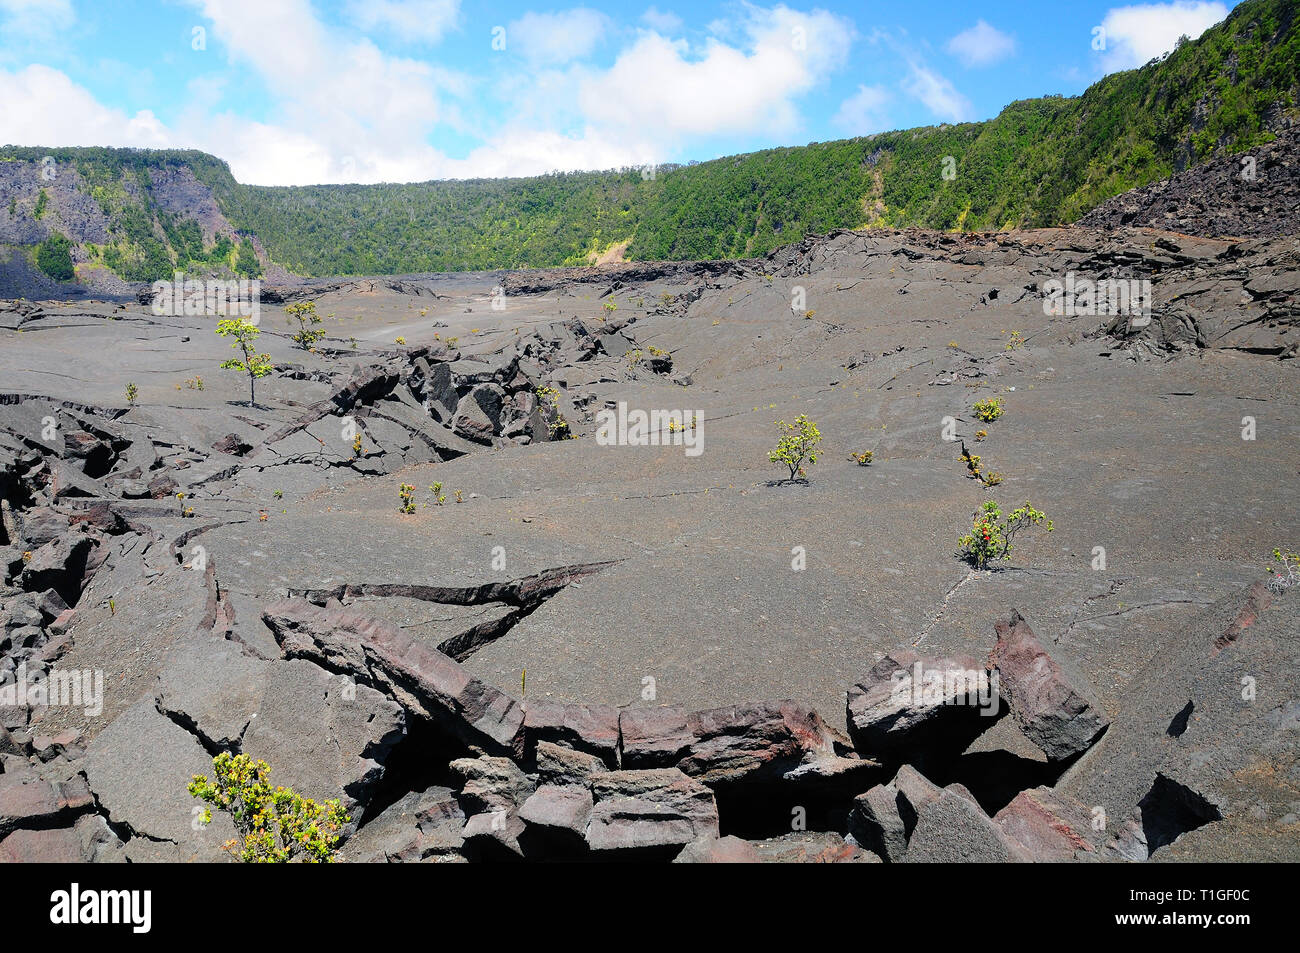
{"x":981,"y":45}
{"x":1137,"y":34}
{"x":344,"y":110}
{"x":661,"y":90}
{"x":36,"y":19}
{"x":864,"y":111}
{"x":43,"y":107}
{"x":556,"y":37}
{"x":662,"y":21}
{"x":528,"y":151}
{"x":418,"y":20}
{"x":340,"y":109}
{"x":936,"y":93}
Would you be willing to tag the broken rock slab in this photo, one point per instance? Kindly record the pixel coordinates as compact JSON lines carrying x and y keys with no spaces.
{"x":1048,"y":697}
{"x":759,"y":741}
{"x":322,"y":734}
{"x":426,"y":825}
{"x":654,"y":737}
{"x":419,"y":678}
{"x":556,"y":764}
{"x":211,"y":687}
{"x":811,"y":847}
{"x":649,"y":811}
{"x":557,"y":816}
{"x":34,"y":802}
{"x":1051,"y":826}
{"x":908,"y":703}
{"x":138,"y":768}
{"x":953,"y":829}
{"x":588,"y":728}
{"x":718,"y":850}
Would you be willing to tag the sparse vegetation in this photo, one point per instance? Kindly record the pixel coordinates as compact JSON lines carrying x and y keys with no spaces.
{"x":977,"y":470}
{"x":864,"y":458}
{"x":1285,"y":570}
{"x":132,"y":392}
{"x":988,"y":410}
{"x":275,"y":825}
{"x":406,"y":498}
{"x":798,"y":443}
{"x":253,"y":364}
{"x":990,"y":536}
{"x":304,"y":312}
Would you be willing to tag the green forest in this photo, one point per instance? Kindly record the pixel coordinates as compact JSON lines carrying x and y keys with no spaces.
{"x":1039,"y":162}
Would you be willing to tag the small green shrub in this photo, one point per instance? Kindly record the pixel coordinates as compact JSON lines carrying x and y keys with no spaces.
{"x":253,"y":364}
{"x":990,"y":536}
{"x":1287,"y":571}
{"x":988,"y":410}
{"x":798,"y":443}
{"x":275,"y":825}
{"x":304,"y":312}
{"x":54,"y":257}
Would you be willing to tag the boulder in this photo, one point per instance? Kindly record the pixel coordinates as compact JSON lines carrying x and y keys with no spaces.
{"x":494,"y":836}
{"x":557,"y":764}
{"x":478,"y":414}
{"x":755,"y":742}
{"x":92,"y":454}
{"x":953,"y":829}
{"x":41,"y":525}
{"x":64,"y":565}
{"x":589,"y":728}
{"x":421,"y":825}
{"x":556,"y":816}
{"x":323,"y":735}
{"x":1048,"y":697}
{"x":653,"y":737}
{"x":233,"y":444}
{"x":908,"y":703}
{"x":1050,"y":826}
{"x":718,"y":850}
{"x":648,"y":812}
{"x":875,"y":823}
{"x":163,"y":486}
{"x":490,"y":784}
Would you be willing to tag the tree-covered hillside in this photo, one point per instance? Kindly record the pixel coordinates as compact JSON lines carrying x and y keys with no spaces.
{"x":1040,"y":162}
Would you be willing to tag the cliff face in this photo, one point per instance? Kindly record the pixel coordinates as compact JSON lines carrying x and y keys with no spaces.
{"x":130,"y":217}
{"x":68,"y":207}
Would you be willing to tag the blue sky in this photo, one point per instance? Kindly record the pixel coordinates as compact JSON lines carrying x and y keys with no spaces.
{"x":296,"y":92}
